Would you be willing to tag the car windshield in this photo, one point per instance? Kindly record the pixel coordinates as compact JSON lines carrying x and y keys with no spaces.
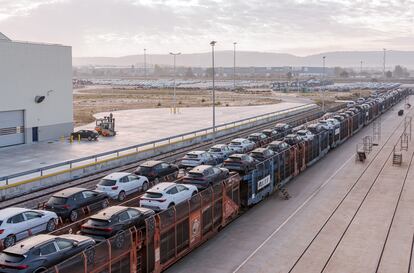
{"x":143,"y":170}
{"x":191,"y":156}
{"x":215,"y":150}
{"x":107,"y":182}
{"x":58,"y":200}
{"x":235,"y":158}
{"x":302,"y":133}
{"x":11,"y":257}
{"x":1,"y":222}
{"x":235,"y":143}
{"x":257,"y":154}
{"x":150,"y":194}
{"x":195,"y":174}
{"x":98,"y":222}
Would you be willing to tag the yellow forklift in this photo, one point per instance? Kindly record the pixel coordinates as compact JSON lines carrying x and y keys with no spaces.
{"x":106,"y":126}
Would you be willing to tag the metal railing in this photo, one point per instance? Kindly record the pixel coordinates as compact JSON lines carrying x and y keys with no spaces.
{"x":114,"y":154}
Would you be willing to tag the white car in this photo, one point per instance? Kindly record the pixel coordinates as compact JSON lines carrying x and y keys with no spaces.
{"x":221,"y":151}
{"x":197,"y":158}
{"x":327,"y":125}
{"x":119,"y":185}
{"x":167,"y":194}
{"x":241,"y":145}
{"x":19,"y":223}
{"x":305,"y":134}
{"x":350,"y":104}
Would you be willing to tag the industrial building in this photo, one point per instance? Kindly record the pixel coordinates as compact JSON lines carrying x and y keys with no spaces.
{"x":36,"y":101}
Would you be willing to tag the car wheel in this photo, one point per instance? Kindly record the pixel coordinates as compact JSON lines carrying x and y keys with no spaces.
{"x":145,"y":186}
{"x":89,"y":138}
{"x":51,"y":225}
{"x":120,"y":239}
{"x":73,"y":216}
{"x":42,"y":269}
{"x":105,"y":203}
{"x":194,"y":193}
{"x":9,"y":241}
{"x":121,"y":196}
{"x":171,"y":205}
{"x":156,"y":180}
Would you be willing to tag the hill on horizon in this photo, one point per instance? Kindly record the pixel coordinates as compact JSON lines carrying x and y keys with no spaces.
{"x":371,"y":59}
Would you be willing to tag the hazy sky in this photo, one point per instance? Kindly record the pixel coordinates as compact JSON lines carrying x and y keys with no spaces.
{"x":122,"y":27}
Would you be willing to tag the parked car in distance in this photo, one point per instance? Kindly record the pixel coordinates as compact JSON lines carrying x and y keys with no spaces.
{"x":271,"y":133}
{"x":19,"y":223}
{"x":240,"y":163}
{"x":241,"y":145}
{"x":68,"y":202}
{"x":167,"y":194}
{"x":85,"y":134}
{"x":261,"y":154}
{"x":113,"y":220}
{"x":196,"y":158}
{"x":156,"y":170}
{"x":327,"y":124}
{"x":220,"y":151}
{"x":316,"y":128}
{"x":283,"y":129}
{"x":305,"y":134}
{"x":360,"y":100}
{"x":120,"y":184}
{"x":350,"y":104}
{"x":204,"y":176}
{"x":258,"y":138}
{"x":37,"y":253}
{"x":292,"y":139}
{"x":278,"y":146}
{"x":334,"y":121}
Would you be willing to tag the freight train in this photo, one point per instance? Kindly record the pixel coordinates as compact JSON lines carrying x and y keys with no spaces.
{"x":171,"y":234}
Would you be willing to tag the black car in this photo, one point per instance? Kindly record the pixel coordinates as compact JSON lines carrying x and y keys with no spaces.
{"x":40,"y":252}
{"x":68,"y":203}
{"x":258,"y":138}
{"x":240,"y":163}
{"x":261,"y":154}
{"x":85,"y":134}
{"x":283,"y":129}
{"x":271,"y":133}
{"x":114,"y":220}
{"x":292,"y":139}
{"x":155,"y":170}
{"x":204,"y":176}
{"x":278,"y":146}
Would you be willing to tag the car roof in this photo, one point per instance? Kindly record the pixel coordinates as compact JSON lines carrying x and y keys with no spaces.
{"x":161,"y":187}
{"x":277,"y":142}
{"x":8,"y":212}
{"x":219,"y":146}
{"x":117,"y":175}
{"x":256,"y":134}
{"x":201,"y":168}
{"x":291,"y":136}
{"x":259,"y":150}
{"x":196,"y":152}
{"x":239,"y":139}
{"x":237,"y":155}
{"x":75,"y":237}
{"x":280,"y":124}
{"x":151,"y":163}
{"x":302,"y":131}
{"x":68,"y":192}
{"x":107,"y":213}
{"x":24,"y":246}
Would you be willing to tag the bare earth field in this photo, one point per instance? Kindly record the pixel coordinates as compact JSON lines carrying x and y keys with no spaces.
{"x":90,"y":101}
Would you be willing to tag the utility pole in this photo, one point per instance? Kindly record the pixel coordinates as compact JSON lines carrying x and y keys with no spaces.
{"x":145,"y":63}
{"x":213,"y":43}
{"x":174,"y":99}
{"x":234,"y":65}
{"x":323,"y":82}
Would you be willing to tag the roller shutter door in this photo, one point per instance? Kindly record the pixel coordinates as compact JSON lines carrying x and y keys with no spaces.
{"x":11,"y":128}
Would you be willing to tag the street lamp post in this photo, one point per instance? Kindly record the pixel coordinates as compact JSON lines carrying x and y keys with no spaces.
{"x":213,"y":43}
{"x":234,"y":65}
{"x":174,"y":100}
{"x":323,"y":90}
{"x":145,"y":63}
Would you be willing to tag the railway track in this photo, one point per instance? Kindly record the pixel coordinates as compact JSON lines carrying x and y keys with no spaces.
{"x":375,"y":179}
{"x":33,"y":199}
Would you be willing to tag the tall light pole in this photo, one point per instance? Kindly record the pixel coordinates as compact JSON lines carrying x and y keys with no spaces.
{"x":213,"y":43}
{"x":174,"y":100}
{"x":360,"y":71}
{"x":383,"y":62}
{"x":234,"y":65}
{"x":323,"y":90}
{"x":145,"y":63}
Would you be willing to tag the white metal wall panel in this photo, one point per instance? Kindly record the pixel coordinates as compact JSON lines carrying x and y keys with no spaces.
{"x":11,"y":128}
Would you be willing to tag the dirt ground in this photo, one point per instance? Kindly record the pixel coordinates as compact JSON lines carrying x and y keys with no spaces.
{"x":90,"y":101}
{"x":104,"y":99}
